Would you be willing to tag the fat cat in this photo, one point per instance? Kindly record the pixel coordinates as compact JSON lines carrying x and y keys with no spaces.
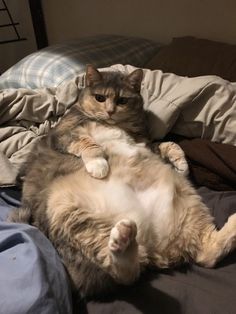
{"x":109,"y":204}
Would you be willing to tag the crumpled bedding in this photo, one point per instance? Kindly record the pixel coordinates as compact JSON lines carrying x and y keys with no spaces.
{"x":25,"y":116}
{"x":201,"y":107}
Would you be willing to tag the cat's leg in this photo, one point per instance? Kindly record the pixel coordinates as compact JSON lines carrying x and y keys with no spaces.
{"x":124,"y":251}
{"x":174,"y":154}
{"x":217,"y":243}
{"x":111,"y":247}
{"x":92,"y":155}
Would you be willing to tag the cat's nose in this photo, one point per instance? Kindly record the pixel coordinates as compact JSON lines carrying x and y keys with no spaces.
{"x":110,"y":112}
{"x":110,"y":109}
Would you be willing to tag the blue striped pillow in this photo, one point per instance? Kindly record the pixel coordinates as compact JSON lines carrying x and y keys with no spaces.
{"x":53,"y":65}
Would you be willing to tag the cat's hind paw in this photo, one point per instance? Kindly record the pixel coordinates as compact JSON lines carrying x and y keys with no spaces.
{"x":97,"y":167}
{"x":122,"y":235}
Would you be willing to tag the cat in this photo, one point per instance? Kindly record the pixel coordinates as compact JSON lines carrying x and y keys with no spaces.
{"x":109,"y":203}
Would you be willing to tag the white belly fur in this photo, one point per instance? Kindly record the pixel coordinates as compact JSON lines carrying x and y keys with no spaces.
{"x":116,"y":141}
{"x":150,"y":206}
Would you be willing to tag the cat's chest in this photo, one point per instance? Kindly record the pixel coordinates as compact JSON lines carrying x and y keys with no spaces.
{"x":116,"y":141}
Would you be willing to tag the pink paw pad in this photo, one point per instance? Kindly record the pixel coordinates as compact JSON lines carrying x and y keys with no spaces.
{"x":122,"y":235}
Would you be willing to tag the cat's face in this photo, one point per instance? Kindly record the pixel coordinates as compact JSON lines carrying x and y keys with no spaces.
{"x":112,"y":97}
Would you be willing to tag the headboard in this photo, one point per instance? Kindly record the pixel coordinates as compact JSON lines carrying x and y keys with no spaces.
{"x":38,"y":23}
{"x":22,"y":30}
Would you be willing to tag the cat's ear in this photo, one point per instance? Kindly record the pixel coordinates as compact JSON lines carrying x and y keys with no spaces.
{"x":93,"y":76}
{"x":135,"y":79}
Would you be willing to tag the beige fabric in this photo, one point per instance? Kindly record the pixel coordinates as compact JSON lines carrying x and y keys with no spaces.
{"x":202,"y":107}
{"x":25,"y":116}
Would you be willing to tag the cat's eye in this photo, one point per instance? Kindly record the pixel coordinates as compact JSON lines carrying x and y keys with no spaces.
{"x":122,"y":100}
{"x":100,"y":98}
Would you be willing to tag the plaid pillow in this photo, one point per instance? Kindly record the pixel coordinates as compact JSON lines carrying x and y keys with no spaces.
{"x":53,"y":65}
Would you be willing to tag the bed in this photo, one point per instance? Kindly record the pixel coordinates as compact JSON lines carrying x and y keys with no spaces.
{"x":189,"y":91}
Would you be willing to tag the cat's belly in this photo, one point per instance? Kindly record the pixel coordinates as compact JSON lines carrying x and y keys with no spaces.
{"x":138,"y":187}
{"x":149,"y":207}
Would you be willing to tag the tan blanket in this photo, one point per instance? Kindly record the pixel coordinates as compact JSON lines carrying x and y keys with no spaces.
{"x":201,"y":107}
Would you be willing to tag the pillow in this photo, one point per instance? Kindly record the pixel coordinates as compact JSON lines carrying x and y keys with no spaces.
{"x":51,"y":66}
{"x":189,"y":56}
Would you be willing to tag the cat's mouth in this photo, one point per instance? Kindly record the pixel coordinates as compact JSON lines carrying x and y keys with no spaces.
{"x":110,"y":121}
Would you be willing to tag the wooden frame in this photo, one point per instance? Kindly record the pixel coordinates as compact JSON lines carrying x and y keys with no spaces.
{"x":38,"y":23}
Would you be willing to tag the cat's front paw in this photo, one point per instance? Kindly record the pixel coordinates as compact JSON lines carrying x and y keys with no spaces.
{"x":180,"y":166}
{"x":122,"y":235}
{"x":175,"y":155}
{"x":97,"y":167}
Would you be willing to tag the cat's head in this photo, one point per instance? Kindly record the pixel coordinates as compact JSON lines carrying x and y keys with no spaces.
{"x":112,"y":97}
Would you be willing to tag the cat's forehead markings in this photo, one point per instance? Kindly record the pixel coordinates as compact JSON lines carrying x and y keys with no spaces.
{"x":109,"y":91}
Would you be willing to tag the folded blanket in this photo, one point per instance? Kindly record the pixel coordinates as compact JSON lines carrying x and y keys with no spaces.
{"x":201,"y":107}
